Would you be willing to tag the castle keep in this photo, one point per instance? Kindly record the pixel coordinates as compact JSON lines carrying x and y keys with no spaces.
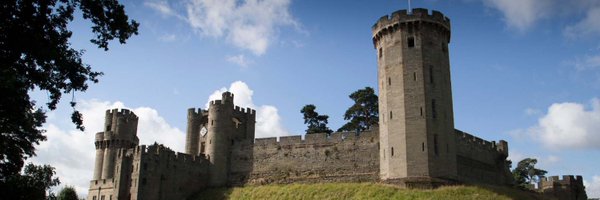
{"x":415,"y":144}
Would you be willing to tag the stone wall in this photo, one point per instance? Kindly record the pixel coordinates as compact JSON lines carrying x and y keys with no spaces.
{"x":341,"y":157}
{"x":481,"y":161}
{"x":567,"y":188}
{"x":160,"y":173}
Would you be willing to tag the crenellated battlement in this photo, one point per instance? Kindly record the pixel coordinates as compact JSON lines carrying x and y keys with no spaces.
{"x":196,"y":112}
{"x":404,"y":20}
{"x":569,"y":187}
{"x":417,"y":14}
{"x":566,"y":179}
{"x":167,"y":154}
{"x":244,"y":111}
{"x":316,"y":138}
{"x":465,"y":138}
{"x":122,"y":113}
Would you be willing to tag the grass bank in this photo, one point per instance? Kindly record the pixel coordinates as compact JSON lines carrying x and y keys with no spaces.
{"x":325,"y":191}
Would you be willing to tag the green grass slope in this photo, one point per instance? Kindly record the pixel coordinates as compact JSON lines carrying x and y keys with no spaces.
{"x":326,"y":191}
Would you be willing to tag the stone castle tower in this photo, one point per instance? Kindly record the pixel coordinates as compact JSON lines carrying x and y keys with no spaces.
{"x":415,"y":96}
{"x":217,"y":132}
{"x":119,"y":133}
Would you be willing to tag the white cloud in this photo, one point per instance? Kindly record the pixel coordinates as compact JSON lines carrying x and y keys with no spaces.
{"x":587,"y":62}
{"x":593,"y":188}
{"x":532,"y":111}
{"x":163,"y":7}
{"x":552,"y":159}
{"x":515,"y":157}
{"x":71,"y":152}
{"x":589,"y":26}
{"x":268,"y":121}
{"x":239,"y":60}
{"x":168,"y":38}
{"x":569,"y":126}
{"x":248,"y":24}
{"x":520,"y":15}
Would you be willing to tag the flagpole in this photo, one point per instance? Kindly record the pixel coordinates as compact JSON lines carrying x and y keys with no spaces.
{"x":409,"y":8}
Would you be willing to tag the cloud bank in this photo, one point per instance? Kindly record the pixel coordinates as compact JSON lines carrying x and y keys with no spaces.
{"x":522,"y":15}
{"x":569,"y":126}
{"x":247,"y":24}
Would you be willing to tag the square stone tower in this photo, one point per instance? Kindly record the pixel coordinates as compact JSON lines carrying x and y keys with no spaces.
{"x":416,"y":120}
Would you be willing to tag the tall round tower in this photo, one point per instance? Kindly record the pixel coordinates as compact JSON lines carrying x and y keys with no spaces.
{"x":120,"y":132}
{"x":416,"y":121}
{"x":220,"y":128}
{"x":193,"y":131}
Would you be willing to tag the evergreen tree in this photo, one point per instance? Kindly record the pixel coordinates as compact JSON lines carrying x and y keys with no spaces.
{"x":32,"y":184}
{"x":316,"y":123}
{"x":525,"y":172}
{"x":68,"y":193}
{"x":364,"y":113}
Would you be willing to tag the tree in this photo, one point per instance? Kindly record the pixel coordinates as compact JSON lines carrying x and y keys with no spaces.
{"x":33,"y":184}
{"x":35,"y":54}
{"x":525,"y":172}
{"x":68,"y":193}
{"x":316,"y":123}
{"x":365,"y":111}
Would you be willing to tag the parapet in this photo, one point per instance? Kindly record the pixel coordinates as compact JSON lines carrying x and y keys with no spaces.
{"x":468,"y":139}
{"x":165,"y":153}
{"x":246,"y":111}
{"x":124,"y":113}
{"x":99,"y":136}
{"x":317,"y":138}
{"x":193,"y":112}
{"x":417,"y":14}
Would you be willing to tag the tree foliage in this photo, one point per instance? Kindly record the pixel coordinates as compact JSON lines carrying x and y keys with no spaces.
{"x":525,"y":172}
{"x":316,"y":123}
{"x":32,"y":184}
{"x":67,"y":193}
{"x":364,"y":113}
{"x":35,"y":54}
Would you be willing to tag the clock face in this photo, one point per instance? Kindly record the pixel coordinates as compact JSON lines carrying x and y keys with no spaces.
{"x":203,"y":131}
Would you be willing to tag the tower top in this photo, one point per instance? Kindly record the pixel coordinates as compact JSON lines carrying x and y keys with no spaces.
{"x":417,"y":14}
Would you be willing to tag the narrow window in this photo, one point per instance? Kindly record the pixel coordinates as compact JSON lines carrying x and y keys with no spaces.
{"x":392,"y":151}
{"x":389,"y":81}
{"x":415,"y":76}
{"x":430,"y":74}
{"x":108,"y":128}
{"x":232,"y":142}
{"x":411,"y":42}
{"x":380,"y":52}
{"x":94,"y":198}
{"x":433,"y":111}
{"x":110,"y":197}
{"x":435,"y":144}
{"x":421,"y":111}
{"x":211,"y":122}
{"x":423,"y":146}
{"x":102,"y":197}
{"x":384,"y":154}
{"x":391,"y":116}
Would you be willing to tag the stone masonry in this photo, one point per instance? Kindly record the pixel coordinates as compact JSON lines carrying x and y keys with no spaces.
{"x":415,"y":144}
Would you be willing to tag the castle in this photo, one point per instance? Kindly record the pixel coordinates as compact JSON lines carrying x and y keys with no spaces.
{"x":415,"y":145}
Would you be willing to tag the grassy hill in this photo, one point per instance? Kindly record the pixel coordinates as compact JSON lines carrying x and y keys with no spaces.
{"x":362,"y":191}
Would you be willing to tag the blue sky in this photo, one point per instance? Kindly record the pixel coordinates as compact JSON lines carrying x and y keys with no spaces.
{"x":524,"y":71}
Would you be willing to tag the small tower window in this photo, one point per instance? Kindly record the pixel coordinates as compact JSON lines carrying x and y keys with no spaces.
{"x":433,"y":111}
{"x":430,"y":74}
{"x":421,"y":111}
{"x":391,"y":115}
{"x":415,"y":76}
{"x":108,"y":128}
{"x":411,"y":42}
{"x":435,"y":144}
{"x":392,"y":151}
{"x":389,"y":81}
{"x":380,"y":52}
{"x":423,"y":146}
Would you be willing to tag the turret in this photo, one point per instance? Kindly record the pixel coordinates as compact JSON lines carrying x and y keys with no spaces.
{"x":120,"y":132}
{"x":219,"y":138}
{"x":416,"y":120}
{"x":99,"y":143}
{"x":192,"y":139}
